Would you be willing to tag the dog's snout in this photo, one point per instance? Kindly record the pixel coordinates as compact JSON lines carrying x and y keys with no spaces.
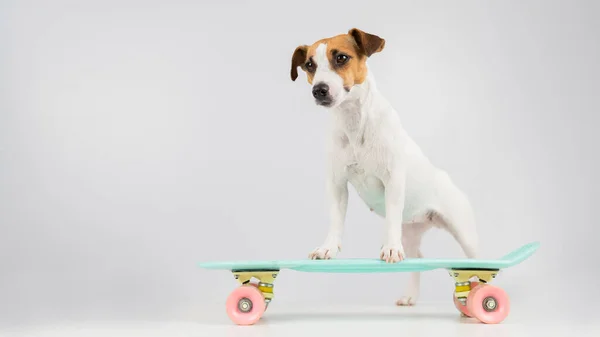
{"x":320,"y":91}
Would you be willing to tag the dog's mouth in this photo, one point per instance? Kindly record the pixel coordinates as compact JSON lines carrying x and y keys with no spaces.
{"x":325,"y":103}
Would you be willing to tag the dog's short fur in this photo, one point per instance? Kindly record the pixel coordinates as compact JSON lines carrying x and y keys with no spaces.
{"x":368,"y":148}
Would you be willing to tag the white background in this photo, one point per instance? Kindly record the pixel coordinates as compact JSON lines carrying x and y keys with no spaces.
{"x":139,"y":138}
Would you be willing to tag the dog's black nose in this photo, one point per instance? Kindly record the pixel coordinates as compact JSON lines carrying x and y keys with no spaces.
{"x":320,"y":90}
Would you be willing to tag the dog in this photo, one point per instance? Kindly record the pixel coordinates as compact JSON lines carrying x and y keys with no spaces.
{"x":368,"y":148}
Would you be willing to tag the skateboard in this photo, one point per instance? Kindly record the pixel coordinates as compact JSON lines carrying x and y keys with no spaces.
{"x":473,"y":295}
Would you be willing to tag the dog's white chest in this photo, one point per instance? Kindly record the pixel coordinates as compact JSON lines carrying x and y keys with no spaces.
{"x":362,"y":174}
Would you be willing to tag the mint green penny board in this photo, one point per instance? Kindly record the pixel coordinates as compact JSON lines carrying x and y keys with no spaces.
{"x":473,"y":295}
{"x":377,"y":266}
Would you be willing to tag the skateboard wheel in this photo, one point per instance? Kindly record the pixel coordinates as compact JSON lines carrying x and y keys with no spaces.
{"x":245,"y":305}
{"x":488,"y":303}
{"x":462,"y":307}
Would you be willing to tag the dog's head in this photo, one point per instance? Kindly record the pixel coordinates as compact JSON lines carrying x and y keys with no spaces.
{"x":335,"y":65}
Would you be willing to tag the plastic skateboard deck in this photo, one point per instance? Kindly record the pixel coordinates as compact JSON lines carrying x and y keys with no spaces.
{"x":478,"y":299}
{"x":376,"y":265}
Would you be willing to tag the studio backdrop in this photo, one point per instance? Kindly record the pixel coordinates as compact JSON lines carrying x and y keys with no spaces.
{"x":140,"y":138}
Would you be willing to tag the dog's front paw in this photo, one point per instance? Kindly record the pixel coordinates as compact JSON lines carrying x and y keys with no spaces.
{"x":324,"y":252}
{"x":392,"y":253}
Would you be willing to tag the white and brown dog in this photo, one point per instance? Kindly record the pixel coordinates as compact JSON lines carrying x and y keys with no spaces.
{"x":369,"y":148}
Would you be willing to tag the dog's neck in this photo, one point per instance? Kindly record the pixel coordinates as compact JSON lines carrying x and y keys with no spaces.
{"x":362,"y":104}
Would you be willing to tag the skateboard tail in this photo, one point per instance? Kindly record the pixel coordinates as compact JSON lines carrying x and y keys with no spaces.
{"x":520,"y":254}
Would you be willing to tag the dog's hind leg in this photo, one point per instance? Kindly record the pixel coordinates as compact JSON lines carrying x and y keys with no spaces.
{"x":459,"y":221}
{"x":411,"y":240}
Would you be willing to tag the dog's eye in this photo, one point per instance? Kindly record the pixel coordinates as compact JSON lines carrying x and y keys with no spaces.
{"x":309,"y":66}
{"x":341,"y":59}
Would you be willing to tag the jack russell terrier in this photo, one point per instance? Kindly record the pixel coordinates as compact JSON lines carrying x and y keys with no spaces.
{"x":369,"y":148}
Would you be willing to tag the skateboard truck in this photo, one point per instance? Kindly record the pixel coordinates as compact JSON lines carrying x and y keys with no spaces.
{"x":465,"y":288}
{"x":463,"y":284}
{"x":265,"y":278}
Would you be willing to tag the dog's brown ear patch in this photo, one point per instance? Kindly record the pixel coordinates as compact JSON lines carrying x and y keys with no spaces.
{"x":368,"y":44}
{"x":298,"y":59}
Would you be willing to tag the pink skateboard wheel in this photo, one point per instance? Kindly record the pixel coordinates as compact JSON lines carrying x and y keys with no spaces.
{"x":488,"y":303}
{"x":245,"y":305}
{"x":461,"y":307}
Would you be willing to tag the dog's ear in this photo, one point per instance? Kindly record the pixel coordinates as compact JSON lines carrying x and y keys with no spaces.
{"x":368,"y":44}
{"x":298,"y":59}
